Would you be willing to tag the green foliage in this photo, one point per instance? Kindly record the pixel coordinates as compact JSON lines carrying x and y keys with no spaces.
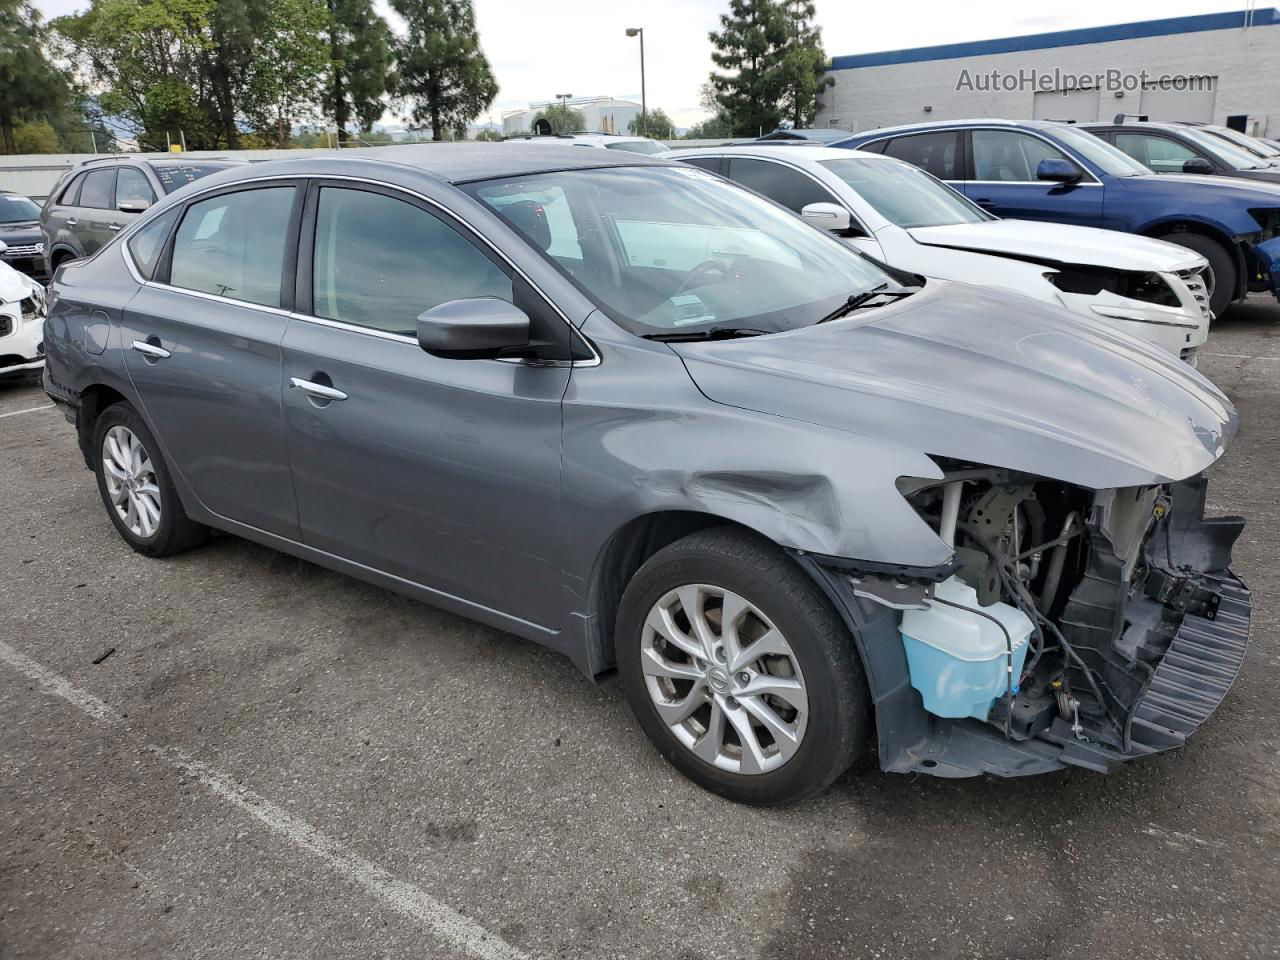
{"x":38,"y":137}
{"x":288,"y":84}
{"x":360,"y":69}
{"x":716,"y":128}
{"x":443,"y":77}
{"x":655,"y":124}
{"x":562,"y":119}
{"x":773,"y":64}
{"x":487,"y":134}
{"x":804,"y":65}
{"x":31,"y":88}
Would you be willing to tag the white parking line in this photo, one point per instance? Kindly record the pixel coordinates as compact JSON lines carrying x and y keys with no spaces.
{"x":15,"y":413}
{"x":1238,"y":356}
{"x":400,"y":895}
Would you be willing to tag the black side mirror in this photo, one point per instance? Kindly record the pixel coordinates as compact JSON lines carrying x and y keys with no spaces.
{"x":1197,"y":165}
{"x":477,"y":328}
{"x":1058,"y":170}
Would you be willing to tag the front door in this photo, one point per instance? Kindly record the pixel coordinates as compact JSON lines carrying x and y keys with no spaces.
{"x":1002,"y":179}
{"x":443,"y":472}
{"x":202,"y":347}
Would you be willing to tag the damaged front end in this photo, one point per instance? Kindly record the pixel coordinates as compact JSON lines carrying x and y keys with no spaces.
{"x":1071,"y":626}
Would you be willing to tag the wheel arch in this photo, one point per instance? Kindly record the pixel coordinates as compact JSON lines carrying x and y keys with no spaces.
{"x":94,"y":399}
{"x":1163,"y":228}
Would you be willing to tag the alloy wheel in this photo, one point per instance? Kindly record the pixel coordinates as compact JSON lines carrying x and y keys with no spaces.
{"x":132,"y":485}
{"x":724,"y":679}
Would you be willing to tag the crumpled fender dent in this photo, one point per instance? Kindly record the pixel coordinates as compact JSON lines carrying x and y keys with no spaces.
{"x":1268,"y":254}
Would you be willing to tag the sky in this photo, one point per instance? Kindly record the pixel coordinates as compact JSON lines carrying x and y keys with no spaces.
{"x":541,"y":48}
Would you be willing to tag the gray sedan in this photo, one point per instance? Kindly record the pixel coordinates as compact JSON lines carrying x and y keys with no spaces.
{"x":638,"y":414}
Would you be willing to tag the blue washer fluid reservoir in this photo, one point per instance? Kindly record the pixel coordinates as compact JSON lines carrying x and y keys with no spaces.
{"x":958,"y":660}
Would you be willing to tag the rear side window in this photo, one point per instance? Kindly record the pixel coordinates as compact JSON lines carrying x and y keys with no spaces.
{"x":146,"y":244}
{"x":713,"y":164}
{"x":934,"y":153}
{"x":380,"y":262}
{"x":132,"y":184}
{"x":783,"y":185}
{"x":99,"y":190}
{"x":71,"y":195}
{"x":233,"y":245}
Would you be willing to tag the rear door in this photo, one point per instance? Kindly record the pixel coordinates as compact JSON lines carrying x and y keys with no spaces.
{"x":1002,"y":179}
{"x":202,"y":346}
{"x":96,"y":220}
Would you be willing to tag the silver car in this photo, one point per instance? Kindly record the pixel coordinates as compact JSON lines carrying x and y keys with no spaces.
{"x":628,"y":410}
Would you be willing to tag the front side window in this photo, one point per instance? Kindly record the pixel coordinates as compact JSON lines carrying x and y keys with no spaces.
{"x":99,"y":190}
{"x":1008,"y":156}
{"x":1159,"y":153}
{"x":905,"y":195}
{"x":675,"y":249}
{"x":933,"y":152}
{"x":784,"y":185}
{"x":132,"y":186}
{"x":233,"y":245}
{"x":146,"y":244}
{"x":380,"y":262}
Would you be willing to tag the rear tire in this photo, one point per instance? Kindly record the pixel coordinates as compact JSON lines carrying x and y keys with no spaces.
{"x":806,"y":683}
{"x":136,"y":488}
{"x":1222,"y":265}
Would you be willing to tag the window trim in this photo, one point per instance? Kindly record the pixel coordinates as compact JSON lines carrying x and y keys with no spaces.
{"x":163,"y":275}
{"x":139,"y":222}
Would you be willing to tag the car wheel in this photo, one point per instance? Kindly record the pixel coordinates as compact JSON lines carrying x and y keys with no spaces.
{"x":136,"y":488}
{"x":1221,"y":276}
{"x":739,"y":669}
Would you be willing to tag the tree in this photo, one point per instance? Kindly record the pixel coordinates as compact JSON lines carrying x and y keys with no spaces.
{"x":656,"y":124}
{"x":150,"y":57}
{"x":804,"y":65}
{"x":442,"y":74}
{"x":38,"y":137}
{"x":31,"y":88}
{"x":359,"y":64}
{"x":751,"y":47}
{"x":563,"y":119}
{"x":293,"y":58}
{"x":488,"y":134}
{"x":716,"y":128}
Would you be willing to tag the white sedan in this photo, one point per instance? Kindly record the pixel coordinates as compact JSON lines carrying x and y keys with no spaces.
{"x":901,"y":216}
{"x":21,"y":322}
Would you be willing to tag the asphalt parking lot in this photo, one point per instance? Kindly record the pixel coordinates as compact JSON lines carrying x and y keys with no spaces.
{"x":277,"y":761}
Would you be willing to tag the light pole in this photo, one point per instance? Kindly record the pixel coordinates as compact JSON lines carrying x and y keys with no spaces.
{"x":564,"y":99}
{"x":644,"y":109}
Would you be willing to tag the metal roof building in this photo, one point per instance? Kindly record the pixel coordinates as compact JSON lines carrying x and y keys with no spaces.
{"x":1217,"y":67}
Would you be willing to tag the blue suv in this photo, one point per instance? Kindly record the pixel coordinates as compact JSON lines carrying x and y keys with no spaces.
{"x":1053,"y":171}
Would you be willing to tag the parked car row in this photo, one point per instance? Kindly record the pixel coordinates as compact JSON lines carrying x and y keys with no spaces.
{"x":793,"y":485}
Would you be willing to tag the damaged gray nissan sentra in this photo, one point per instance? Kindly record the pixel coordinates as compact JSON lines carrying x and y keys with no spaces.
{"x":646,"y":418}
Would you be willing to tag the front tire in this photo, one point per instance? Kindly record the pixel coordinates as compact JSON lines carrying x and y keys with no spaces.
{"x":739,"y":670}
{"x":136,"y":488}
{"x":1223,"y":275}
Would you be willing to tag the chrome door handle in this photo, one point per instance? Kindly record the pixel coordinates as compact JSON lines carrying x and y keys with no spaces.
{"x":113,"y":227}
{"x":151,"y":350}
{"x":317,"y":389}
{"x":71,"y":221}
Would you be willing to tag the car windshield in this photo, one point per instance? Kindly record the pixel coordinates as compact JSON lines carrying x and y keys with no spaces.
{"x":676,"y":250}
{"x":906,"y":195}
{"x":1101,"y":154}
{"x":1252,"y":144}
{"x":1233,"y":156}
{"x":17,"y":209}
{"x":175,"y":176}
{"x":649,"y":147}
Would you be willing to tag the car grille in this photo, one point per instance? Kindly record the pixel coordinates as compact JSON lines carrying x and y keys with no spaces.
{"x":29,"y":250}
{"x":1194,"y":279}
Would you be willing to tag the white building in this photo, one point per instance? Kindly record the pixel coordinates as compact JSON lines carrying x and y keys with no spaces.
{"x":1217,"y":67}
{"x":599,"y":114}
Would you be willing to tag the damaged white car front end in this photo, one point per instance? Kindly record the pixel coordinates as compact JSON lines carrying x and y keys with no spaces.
{"x":22,"y":313}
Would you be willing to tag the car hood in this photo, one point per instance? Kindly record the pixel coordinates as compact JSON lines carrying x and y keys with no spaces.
{"x":986,"y":376}
{"x":14,"y":286}
{"x":20,"y":234}
{"x":1060,"y":243}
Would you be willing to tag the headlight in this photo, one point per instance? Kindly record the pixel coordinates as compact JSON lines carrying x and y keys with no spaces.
{"x":33,"y":307}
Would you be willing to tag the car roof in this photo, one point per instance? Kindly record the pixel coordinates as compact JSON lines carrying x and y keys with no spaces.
{"x":974,"y":122}
{"x":468,"y":162}
{"x":1141,"y":124}
{"x":814,"y":153}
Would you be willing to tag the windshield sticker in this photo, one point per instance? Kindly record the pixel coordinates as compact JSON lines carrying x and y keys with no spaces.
{"x":689,"y":310}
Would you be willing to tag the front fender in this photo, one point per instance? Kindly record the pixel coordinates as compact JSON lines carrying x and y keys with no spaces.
{"x":1267,"y":255}
{"x":639,"y":439}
